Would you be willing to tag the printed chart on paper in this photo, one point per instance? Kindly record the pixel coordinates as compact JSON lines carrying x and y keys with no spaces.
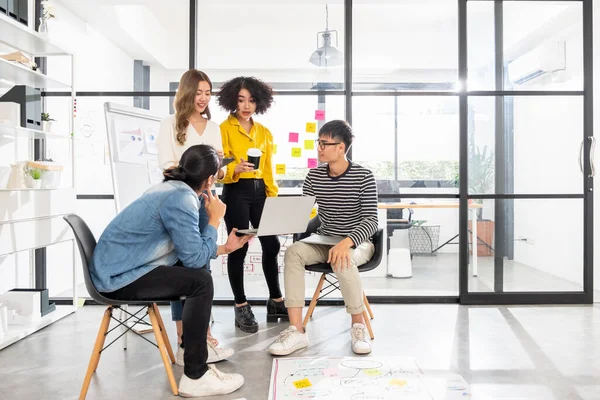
{"x":349,"y":378}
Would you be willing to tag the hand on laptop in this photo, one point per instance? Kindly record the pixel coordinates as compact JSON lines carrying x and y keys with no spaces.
{"x":235,"y":242}
{"x":339,"y":255}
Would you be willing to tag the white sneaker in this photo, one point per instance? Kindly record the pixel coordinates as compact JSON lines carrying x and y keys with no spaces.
{"x":179,"y":357}
{"x":289,"y":341}
{"x":215,"y":354}
{"x":361,"y":342}
{"x":212,"y":383}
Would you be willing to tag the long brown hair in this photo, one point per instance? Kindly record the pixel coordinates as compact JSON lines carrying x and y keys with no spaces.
{"x":184,"y":101}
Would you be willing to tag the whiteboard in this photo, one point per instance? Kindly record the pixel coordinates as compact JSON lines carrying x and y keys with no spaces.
{"x":132,"y":134}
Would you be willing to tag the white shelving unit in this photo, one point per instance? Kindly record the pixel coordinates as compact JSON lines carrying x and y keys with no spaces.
{"x":35,"y":210}
{"x":18,"y":332}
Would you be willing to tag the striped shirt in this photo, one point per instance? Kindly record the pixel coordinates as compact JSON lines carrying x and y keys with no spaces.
{"x":347,"y":204}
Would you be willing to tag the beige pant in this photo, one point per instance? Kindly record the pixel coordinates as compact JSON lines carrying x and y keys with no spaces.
{"x":300,"y":254}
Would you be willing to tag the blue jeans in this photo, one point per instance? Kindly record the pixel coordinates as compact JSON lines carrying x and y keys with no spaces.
{"x":177,"y":306}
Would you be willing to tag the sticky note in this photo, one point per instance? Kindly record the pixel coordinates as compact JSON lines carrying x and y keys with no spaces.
{"x":280,"y":169}
{"x":320,"y":115}
{"x":302,"y":383}
{"x":398,"y":382}
{"x":328,"y":372}
{"x":372,"y":372}
{"x":313,"y":213}
{"x":309,"y":144}
{"x":312,"y":163}
{"x":293,"y":137}
{"x":80,"y":302}
{"x":274,"y":149}
{"x":311,"y":127}
{"x":296,"y":152}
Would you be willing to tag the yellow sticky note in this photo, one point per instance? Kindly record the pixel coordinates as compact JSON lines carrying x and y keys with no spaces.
{"x":302,"y":383}
{"x":309,"y":144}
{"x":398,"y":382}
{"x":280,"y":169}
{"x":80,"y":302}
{"x":313,"y":212}
{"x":296,"y":152}
{"x":311,"y":127}
{"x":274,"y":149}
{"x":372,"y":372}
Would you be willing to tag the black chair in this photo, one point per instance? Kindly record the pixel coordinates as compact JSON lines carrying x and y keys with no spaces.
{"x":87,"y":243}
{"x":326,"y":272}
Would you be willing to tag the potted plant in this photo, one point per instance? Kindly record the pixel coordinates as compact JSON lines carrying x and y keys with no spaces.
{"x":47,"y":14}
{"x":46,"y":122}
{"x":35,"y":178}
{"x":481,"y":180}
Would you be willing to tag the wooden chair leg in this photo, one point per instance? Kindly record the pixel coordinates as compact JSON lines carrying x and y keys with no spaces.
{"x":367,"y":305}
{"x":95,"y":358}
{"x":161,"y":347}
{"x":164,"y":333}
{"x":368,"y":324}
{"x":313,"y":302}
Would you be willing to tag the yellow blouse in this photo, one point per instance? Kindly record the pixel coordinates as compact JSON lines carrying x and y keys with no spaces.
{"x":236,"y":142}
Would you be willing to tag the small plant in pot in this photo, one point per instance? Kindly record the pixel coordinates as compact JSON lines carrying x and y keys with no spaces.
{"x":35,"y":178}
{"x":46,"y":122}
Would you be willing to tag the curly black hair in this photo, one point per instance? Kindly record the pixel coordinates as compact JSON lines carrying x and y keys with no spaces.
{"x":260,"y":91}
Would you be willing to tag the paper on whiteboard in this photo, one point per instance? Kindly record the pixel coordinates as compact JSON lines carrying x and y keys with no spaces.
{"x":130,"y":142}
{"x":150,"y":135}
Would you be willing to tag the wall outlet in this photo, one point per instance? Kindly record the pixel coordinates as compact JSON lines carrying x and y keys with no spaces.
{"x":525,"y":240}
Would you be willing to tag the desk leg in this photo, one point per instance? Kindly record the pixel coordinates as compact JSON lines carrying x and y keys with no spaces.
{"x":475,"y":244}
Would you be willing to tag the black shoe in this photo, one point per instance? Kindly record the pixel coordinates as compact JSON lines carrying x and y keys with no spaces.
{"x":245,"y":320}
{"x":276,"y":310}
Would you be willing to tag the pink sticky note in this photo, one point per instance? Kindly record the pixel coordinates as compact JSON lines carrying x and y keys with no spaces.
{"x":312,"y":163}
{"x":330,"y":372}
{"x":293,"y":137}
{"x":320,"y":115}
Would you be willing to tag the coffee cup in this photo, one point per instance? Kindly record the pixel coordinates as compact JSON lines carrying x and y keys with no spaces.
{"x":254,"y":157}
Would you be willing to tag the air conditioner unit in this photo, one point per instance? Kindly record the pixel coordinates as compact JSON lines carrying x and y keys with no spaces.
{"x":545,"y":59}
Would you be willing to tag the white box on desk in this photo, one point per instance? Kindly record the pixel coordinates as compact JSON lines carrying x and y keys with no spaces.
{"x":10,"y":113}
{"x":25,"y":304}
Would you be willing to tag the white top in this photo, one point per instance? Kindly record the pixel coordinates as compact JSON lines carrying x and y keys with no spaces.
{"x":169,"y":149}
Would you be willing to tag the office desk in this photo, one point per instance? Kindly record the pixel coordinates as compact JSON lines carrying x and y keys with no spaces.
{"x":473,"y":207}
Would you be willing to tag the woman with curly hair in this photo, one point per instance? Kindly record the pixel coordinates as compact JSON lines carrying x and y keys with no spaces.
{"x":246,"y":187}
{"x":189,"y":126}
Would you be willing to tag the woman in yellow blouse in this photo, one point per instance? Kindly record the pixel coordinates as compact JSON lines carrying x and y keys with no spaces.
{"x":246,"y":187}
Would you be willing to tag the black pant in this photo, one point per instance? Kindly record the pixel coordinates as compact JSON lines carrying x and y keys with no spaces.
{"x":172,"y":282}
{"x":245,"y":202}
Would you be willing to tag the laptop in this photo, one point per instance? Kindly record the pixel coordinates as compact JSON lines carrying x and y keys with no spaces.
{"x":323,"y":239}
{"x":283,"y":216}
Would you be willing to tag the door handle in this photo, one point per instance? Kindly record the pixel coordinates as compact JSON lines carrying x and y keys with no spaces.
{"x":581,"y":157}
{"x":592,"y":152}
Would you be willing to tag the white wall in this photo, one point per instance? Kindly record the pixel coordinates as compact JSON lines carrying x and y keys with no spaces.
{"x":547,"y":137}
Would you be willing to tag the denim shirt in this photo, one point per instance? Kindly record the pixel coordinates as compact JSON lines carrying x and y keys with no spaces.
{"x":159,"y":228}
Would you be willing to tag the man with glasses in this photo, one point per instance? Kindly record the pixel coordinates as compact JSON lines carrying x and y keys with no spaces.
{"x":346,"y":196}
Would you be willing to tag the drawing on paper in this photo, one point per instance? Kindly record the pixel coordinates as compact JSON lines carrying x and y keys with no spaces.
{"x":339,"y":378}
{"x":130,"y":142}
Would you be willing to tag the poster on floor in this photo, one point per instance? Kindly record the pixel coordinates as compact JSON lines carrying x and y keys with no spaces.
{"x":343,"y":378}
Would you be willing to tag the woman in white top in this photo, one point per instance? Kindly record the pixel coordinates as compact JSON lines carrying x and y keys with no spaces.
{"x":191,"y":125}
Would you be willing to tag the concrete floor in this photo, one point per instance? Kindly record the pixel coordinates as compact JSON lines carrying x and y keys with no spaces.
{"x":541,"y":352}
